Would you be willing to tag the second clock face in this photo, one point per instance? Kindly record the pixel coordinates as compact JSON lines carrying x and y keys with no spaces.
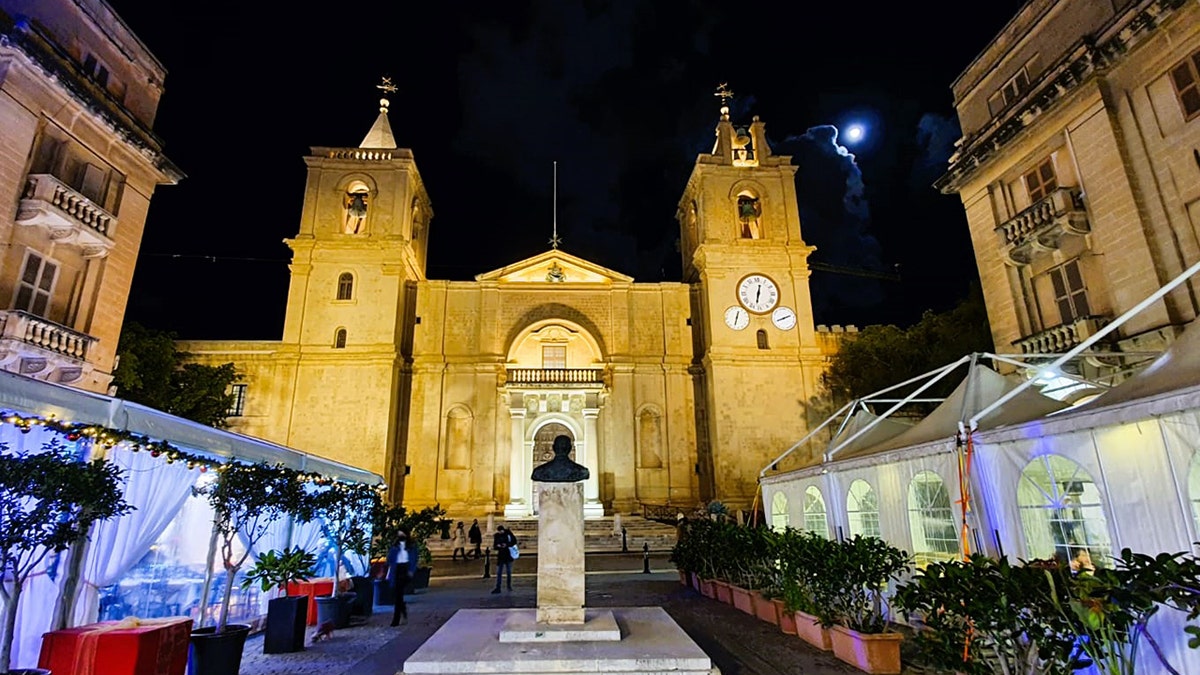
{"x":736,"y":318}
{"x":784,"y":318}
{"x":757,"y":293}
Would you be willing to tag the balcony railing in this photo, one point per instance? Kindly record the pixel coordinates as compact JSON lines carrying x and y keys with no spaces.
{"x":1040,"y":226}
{"x":556,"y":376}
{"x":34,"y":330}
{"x":69,"y":216}
{"x":1061,"y":338}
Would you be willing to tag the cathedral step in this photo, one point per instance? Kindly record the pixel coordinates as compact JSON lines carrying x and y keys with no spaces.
{"x":598,"y":534}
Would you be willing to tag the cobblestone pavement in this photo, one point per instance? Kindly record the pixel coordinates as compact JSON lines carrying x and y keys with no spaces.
{"x":737,"y":643}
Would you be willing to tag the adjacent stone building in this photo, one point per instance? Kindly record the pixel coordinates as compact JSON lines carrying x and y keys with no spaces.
{"x":78,"y":166}
{"x":1079,"y":169}
{"x":673,"y":392}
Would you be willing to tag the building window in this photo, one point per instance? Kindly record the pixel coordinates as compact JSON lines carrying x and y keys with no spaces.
{"x":237,"y":406}
{"x":750,"y":216}
{"x":761,"y":336}
{"x":1186,"y":78}
{"x":554,"y":356}
{"x":814,"y":512}
{"x":1010,"y":92}
{"x":1041,"y":181}
{"x":339,"y":339}
{"x":779,"y":514}
{"x":862,"y":509}
{"x":931,"y":520}
{"x":1062,"y":514}
{"x":36,"y":285}
{"x":1069,"y":292}
{"x":345,"y":287}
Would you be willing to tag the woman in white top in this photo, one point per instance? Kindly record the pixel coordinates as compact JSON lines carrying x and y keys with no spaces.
{"x":460,"y":542}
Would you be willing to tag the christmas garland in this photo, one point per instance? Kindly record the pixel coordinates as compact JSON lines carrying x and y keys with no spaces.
{"x":110,"y":438}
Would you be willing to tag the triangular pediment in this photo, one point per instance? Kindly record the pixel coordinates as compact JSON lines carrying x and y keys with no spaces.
{"x":554,"y":266}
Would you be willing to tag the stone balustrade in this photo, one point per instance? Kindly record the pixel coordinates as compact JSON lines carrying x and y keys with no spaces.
{"x":1041,"y":225}
{"x":80,"y":211}
{"x":557,"y":376}
{"x":1060,"y":338}
{"x":34,"y":330}
{"x":359,"y":154}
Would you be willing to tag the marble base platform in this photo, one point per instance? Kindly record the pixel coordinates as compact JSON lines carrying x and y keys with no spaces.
{"x":651,"y":644}
{"x":600,"y":625}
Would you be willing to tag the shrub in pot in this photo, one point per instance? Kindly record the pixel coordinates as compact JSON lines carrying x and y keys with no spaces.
{"x":48,"y":501}
{"x":803,"y":557}
{"x":347,"y":510}
{"x":389,"y":521}
{"x":286,"y":616}
{"x":247,"y":499}
{"x":854,"y":578}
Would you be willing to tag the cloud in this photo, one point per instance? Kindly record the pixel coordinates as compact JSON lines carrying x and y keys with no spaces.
{"x":936,"y":135}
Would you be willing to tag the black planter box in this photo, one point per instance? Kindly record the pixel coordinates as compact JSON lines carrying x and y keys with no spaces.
{"x":364,"y":597}
{"x":216,"y":653}
{"x":418,"y":581}
{"x":384,"y":595}
{"x":287,"y":619}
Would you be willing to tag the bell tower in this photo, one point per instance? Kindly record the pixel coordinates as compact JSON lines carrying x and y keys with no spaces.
{"x":757,"y":356}
{"x":362,"y":241}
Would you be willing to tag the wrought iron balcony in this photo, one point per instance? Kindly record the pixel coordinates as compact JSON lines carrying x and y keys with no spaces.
{"x":1039,"y":227}
{"x":68,"y":216}
{"x":559,"y":377}
{"x":1061,"y":338}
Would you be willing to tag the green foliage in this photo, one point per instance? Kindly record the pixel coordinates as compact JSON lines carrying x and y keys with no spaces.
{"x":880,"y":356}
{"x":802,"y":559}
{"x":153,"y":372}
{"x":277,"y":569}
{"x":390,"y":520}
{"x":48,"y":502}
{"x":853,"y":578}
{"x":347,"y":509}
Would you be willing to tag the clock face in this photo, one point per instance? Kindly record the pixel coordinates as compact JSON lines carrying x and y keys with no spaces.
{"x":757,"y":293}
{"x":784,"y":318}
{"x":736,"y":318}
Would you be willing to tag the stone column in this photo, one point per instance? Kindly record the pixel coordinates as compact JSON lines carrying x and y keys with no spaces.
{"x":560,"y":570}
{"x":518,"y":471}
{"x":592,"y":508}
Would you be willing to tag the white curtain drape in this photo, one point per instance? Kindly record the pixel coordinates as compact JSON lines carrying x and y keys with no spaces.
{"x":157,"y":491}
{"x":36,"y":611}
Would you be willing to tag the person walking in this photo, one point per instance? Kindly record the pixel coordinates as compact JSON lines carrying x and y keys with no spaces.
{"x":475,"y":537}
{"x":398,"y":559}
{"x":460,"y":542}
{"x":503,"y":543}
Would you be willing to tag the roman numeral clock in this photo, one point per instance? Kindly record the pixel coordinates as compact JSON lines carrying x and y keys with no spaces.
{"x":758,"y":294}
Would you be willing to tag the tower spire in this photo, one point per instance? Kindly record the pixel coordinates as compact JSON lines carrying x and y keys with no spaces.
{"x":554,"y":240}
{"x":380,"y":135}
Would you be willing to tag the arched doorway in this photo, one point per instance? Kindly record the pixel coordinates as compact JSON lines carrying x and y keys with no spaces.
{"x":543,"y":450}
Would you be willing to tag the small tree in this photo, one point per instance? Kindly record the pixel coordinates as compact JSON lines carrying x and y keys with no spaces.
{"x":48,"y":501}
{"x":347,"y":509}
{"x":419,"y":525}
{"x":246,"y":500}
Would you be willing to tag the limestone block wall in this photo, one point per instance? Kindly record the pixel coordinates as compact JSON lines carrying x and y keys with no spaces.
{"x":267,"y":368}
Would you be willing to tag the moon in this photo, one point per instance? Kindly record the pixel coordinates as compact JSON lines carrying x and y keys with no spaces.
{"x":855,"y":133}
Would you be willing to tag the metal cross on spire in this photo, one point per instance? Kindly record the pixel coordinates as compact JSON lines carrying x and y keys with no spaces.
{"x":388,"y":88}
{"x":554,"y":240}
{"x":724,"y":93}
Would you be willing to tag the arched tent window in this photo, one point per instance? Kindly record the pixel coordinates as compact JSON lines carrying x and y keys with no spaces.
{"x":1062,"y":513}
{"x":345,"y":287}
{"x":339,"y":339}
{"x":1194,"y":489}
{"x":779,"y":512}
{"x":814,"y":512}
{"x":862,"y":509}
{"x":931,"y":520}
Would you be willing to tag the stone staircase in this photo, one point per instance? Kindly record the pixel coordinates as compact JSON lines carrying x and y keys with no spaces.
{"x":598,"y":535}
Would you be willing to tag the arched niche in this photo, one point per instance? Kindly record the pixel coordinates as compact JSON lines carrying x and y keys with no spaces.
{"x":460,"y":431}
{"x":650,"y":438}
{"x":555,"y":343}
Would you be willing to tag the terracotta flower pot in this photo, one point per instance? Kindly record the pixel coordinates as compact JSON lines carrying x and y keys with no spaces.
{"x":764,"y":608}
{"x":707,"y":589}
{"x":741,"y":599}
{"x":873,"y":653}
{"x":787,"y":620}
{"x":811,"y":631}
{"x":722,"y":590}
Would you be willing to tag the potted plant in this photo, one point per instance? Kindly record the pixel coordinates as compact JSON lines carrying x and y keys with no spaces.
{"x":803,"y":558}
{"x":48,"y":500}
{"x":854,"y":579}
{"x":286,"y":616}
{"x":247,"y":499}
{"x":347,"y":510}
{"x":420,"y":526}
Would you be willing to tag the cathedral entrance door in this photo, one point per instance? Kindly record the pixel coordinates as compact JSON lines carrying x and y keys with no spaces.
{"x":543,"y":451}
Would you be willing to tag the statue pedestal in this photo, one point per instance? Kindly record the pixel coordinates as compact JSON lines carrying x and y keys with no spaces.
{"x":560,"y":553}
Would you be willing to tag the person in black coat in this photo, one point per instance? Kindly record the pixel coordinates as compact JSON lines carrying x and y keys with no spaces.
{"x":399,"y":558}
{"x":475,"y":537}
{"x":502,"y":543}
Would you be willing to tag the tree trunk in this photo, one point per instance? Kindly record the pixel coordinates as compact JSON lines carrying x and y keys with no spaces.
{"x":232,"y":572}
{"x":208,"y":576}
{"x":8,"y":632}
{"x":64,"y":609}
{"x":337,"y":564}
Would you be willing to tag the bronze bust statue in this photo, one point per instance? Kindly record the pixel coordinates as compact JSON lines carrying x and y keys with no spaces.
{"x":561,"y":469}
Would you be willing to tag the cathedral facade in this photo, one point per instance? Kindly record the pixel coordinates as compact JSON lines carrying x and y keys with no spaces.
{"x":675,"y":392}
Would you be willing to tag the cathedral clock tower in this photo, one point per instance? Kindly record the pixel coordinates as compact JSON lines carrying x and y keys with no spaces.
{"x":757,"y":357}
{"x":362,"y":243}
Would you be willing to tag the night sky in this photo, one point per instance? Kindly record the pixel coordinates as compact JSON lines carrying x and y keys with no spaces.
{"x":619,"y":93}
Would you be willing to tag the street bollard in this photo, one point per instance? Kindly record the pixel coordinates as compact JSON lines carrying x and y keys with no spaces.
{"x":487,"y":564}
{"x":624,"y":541}
{"x":646,"y":558}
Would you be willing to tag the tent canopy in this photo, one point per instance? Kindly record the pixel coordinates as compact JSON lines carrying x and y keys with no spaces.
{"x":1178,"y":368}
{"x":978,"y":389}
{"x":35,"y":397}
